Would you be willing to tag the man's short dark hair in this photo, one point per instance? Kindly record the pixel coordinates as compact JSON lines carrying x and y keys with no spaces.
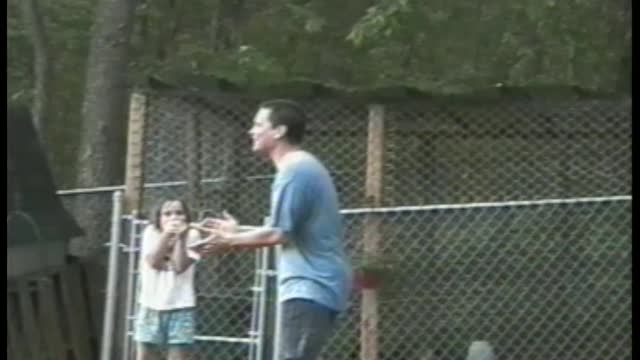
{"x":290,"y":114}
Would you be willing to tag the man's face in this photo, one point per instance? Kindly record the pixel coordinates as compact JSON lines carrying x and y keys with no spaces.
{"x":263,"y":134}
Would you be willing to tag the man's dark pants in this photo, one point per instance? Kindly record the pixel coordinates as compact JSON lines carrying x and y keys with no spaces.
{"x":306,"y":327}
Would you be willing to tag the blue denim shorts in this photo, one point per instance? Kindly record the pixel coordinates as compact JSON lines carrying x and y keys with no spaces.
{"x":165,"y":327}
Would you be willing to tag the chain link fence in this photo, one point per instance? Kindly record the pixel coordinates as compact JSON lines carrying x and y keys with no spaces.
{"x":495,"y":260}
{"x":230,"y":289}
{"x":435,"y":152}
{"x":542,"y":280}
{"x":92,"y":210}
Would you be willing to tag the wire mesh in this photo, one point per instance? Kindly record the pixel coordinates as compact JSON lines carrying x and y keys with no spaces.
{"x":447,"y":154}
{"x":224,"y":294}
{"x":545,"y":280}
{"x":92,"y":211}
{"x":539,"y":281}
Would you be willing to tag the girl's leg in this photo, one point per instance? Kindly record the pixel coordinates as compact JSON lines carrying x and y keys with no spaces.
{"x":148,"y":334}
{"x":180,"y":353}
{"x":147,"y":352}
{"x":181,"y":332}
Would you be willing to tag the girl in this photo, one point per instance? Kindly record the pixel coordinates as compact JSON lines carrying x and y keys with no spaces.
{"x":167,"y":297}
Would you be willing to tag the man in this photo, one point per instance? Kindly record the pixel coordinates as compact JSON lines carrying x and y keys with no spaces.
{"x":314,"y":279}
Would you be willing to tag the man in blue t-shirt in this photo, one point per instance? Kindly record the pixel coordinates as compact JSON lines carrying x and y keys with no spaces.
{"x":314,"y":274}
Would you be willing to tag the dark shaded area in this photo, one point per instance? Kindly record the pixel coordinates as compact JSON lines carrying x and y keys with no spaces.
{"x":33,"y":207}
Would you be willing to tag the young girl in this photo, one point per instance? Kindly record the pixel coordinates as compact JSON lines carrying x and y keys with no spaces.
{"x":167,"y":297}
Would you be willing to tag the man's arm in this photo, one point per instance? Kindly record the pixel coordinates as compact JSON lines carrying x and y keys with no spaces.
{"x":252,"y":239}
{"x":291,"y":207}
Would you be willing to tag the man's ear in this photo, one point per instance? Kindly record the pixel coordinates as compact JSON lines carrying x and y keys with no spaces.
{"x":281,"y":131}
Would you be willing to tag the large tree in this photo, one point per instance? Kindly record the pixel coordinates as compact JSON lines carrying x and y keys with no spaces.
{"x":32,"y":16}
{"x":104,"y":114}
{"x":438,"y":46}
{"x":104,"y":109}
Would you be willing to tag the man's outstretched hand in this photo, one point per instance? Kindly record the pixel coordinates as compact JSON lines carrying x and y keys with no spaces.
{"x":219,"y":230}
{"x":217,"y":243}
{"x":226,"y":224}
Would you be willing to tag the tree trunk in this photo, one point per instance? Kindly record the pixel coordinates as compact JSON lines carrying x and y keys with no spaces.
{"x":104,"y":118}
{"x":104,"y":109}
{"x":229,"y":18}
{"x":42,"y":62}
{"x":103,"y":144}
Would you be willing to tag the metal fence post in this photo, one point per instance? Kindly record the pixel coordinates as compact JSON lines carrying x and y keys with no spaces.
{"x":112,"y":278}
{"x":277,"y":307}
{"x":132,"y":282}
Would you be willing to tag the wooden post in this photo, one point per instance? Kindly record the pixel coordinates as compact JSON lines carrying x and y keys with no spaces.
{"x":73,"y":300}
{"x":15,"y":338}
{"x":134,"y":178}
{"x":194,"y":162}
{"x":374,"y":185}
{"x":49,"y":315}
{"x":29,"y":321}
{"x":132,"y":203}
{"x":231,"y":196}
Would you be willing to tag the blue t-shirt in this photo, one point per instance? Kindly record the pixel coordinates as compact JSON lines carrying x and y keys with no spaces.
{"x":313,"y":265}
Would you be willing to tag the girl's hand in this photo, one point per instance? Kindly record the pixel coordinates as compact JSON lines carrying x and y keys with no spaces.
{"x":176,"y":227}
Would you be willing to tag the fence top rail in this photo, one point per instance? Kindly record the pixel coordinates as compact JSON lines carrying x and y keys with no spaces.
{"x":113,"y":188}
{"x":397,"y":209}
{"x":387,"y":209}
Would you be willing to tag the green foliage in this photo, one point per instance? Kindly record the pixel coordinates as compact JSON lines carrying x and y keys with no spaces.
{"x":442,"y":47}
{"x":379,"y":22}
{"x":438,"y":46}
{"x":68,"y":26}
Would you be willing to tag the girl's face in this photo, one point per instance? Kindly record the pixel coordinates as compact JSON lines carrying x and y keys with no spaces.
{"x":172,"y":212}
